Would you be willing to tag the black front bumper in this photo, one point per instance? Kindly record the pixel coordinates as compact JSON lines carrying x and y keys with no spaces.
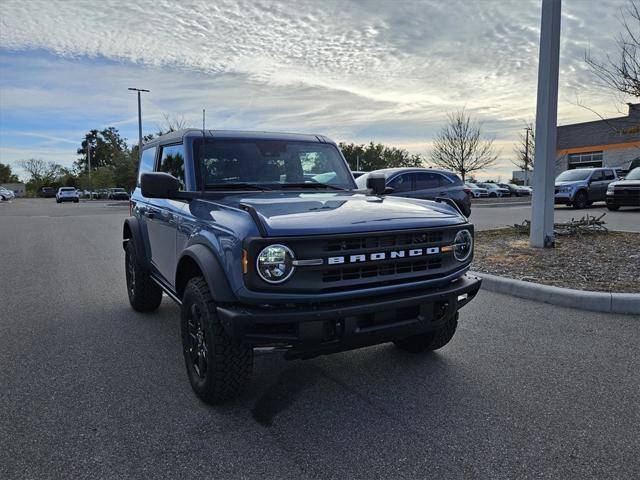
{"x":331,"y":327}
{"x":624,"y":199}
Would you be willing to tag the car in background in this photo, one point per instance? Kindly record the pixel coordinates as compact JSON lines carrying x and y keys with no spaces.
{"x":515,"y":190}
{"x":67,"y":194}
{"x":583,"y":186}
{"x":495,"y":190}
{"x":102,"y":193}
{"x":476,"y":191}
{"x":624,"y":193}
{"x":6,"y":194}
{"x":117,"y":194}
{"x":422,"y":183}
{"x":47,"y":192}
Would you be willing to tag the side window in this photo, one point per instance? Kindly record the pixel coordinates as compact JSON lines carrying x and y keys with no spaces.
{"x":427,"y":180}
{"x":596,"y":176}
{"x":172,"y":161}
{"x":147,"y":162}
{"x":402,"y":183}
{"x":608,"y":175}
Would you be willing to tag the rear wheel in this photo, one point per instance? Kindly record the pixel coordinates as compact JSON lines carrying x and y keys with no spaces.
{"x":580,"y":200}
{"x":218,"y":366}
{"x":427,"y":342}
{"x":144,"y":294}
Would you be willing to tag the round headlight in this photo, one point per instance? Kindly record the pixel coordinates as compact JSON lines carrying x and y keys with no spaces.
{"x":275,"y":263}
{"x":463,"y":245}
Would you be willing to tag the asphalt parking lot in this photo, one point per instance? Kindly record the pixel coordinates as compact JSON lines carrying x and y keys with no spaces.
{"x":486,"y":217}
{"x":92,"y":389}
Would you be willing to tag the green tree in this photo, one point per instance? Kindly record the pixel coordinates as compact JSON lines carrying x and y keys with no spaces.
{"x":107,"y":147}
{"x":376,"y":156}
{"x":102,"y":177}
{"x":6,"y":175}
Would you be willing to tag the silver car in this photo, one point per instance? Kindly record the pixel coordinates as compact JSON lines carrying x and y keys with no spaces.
{"x":6,"y":194}
{"x":67,"y":194}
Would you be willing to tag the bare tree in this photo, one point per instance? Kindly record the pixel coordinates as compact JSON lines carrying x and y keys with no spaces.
{"x":171,"y":124}
{"x":525,"y":150}
{"x":622,"y":71}
{"x":41,"y":171}
{"x":460,"y":146}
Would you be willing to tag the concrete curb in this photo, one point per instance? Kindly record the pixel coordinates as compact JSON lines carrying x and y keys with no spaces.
{"x":626,"y":303}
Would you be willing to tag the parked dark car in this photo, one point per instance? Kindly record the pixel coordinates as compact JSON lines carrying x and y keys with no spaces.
{"x":117,"y":194}
{"x":423,"y":183}
{"x":624,"y":193}
{"x":265,"y":243}
{"x":516,"y":190}
{"x":47,"y":192}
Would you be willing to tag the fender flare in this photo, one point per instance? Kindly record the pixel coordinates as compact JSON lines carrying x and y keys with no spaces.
{"x":132,"y":231}
{"x":211,"y":269}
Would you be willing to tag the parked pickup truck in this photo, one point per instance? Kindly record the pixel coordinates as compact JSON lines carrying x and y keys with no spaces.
{"x":265,"y":242}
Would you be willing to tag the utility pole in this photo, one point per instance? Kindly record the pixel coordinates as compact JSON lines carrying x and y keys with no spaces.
{"x":546,"y":124}
{"x":526,"y":157}
{"x":89,"y":165}
{"x":139,"y":120}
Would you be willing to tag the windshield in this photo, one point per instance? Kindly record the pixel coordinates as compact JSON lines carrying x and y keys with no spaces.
{"x":271,"y":164}
{"x":573,"y":175}
{"x":633,"y":174}
{"x":67,"y":189}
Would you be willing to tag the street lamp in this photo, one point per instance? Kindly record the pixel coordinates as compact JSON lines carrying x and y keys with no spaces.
{"x":139,"y":120}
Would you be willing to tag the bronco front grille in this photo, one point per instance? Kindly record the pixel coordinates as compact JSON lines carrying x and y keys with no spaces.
{"x":375,"y":264}
{"x":383,"y":241}
{"x":385,"y":269}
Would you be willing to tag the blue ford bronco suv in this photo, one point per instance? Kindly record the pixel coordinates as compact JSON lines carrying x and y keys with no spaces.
{"x":265,"y":243}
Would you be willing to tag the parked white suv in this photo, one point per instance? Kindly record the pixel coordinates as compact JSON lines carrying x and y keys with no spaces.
{"x":6,"y":194}
{"x":67,"y":194}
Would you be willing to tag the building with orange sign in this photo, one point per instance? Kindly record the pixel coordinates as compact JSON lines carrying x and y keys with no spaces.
{"x":613,"y":142}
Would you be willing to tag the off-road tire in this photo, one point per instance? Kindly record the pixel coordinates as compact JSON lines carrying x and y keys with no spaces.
{"x":613,"y":208}
{"x":427,"y":342}
{"x":228,"y":362}
{"x":144,"y":294}
{"x":581,"y":200}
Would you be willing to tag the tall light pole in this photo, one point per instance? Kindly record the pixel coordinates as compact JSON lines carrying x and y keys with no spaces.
{"x":526,"y":156}
{"x":139,"y":120}
{"x":89,"y":166}
{"x":546,"y":123}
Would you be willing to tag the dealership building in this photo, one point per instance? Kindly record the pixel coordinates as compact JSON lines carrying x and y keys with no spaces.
{"x":613,"y":142}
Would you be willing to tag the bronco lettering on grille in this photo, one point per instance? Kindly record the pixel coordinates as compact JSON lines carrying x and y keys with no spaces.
{"x":414,"y":252}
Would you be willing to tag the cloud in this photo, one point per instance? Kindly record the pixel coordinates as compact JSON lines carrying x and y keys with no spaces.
{"x":358,"y":71}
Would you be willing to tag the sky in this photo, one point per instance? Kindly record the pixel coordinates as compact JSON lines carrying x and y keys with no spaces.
{"x":357,"y":71}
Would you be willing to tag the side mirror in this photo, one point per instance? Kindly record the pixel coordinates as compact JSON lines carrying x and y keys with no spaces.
{"x":376,"y":182}
{"x":159,"y":185}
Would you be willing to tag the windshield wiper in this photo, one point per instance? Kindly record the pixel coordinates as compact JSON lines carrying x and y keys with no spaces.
{"x":237,"y":186}
{"x":312,"y":185}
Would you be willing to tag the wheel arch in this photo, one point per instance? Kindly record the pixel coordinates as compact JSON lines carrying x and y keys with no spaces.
{"x":131,"y":231}
{"x":199,"y":260}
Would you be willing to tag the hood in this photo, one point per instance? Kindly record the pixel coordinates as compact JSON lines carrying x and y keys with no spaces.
{"x":626,"y":183}
{"x":328,"y":213}
{"x":571,"y":183}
